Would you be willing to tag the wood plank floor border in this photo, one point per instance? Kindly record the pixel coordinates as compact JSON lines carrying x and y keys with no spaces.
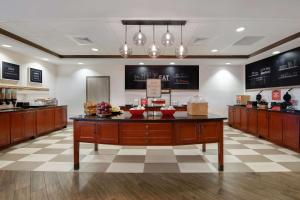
{"x":87,"y":186}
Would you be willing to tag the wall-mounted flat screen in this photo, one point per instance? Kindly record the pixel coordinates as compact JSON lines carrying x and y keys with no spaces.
{"x":36,"y":75}
{"x":277,"y":71}
{"x":10,"y":71}
{"x":178,"y":77}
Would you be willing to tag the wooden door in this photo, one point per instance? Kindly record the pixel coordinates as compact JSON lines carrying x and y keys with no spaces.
{"x":29,"y":124}
{"x":210,"y":131}
{"x":17,"y":126}
{"x":275,"y":127}
{"x":252,"y":121}
{"x":244,"y":119}
{"x":85,"y":131}
{"x":107,"y":133}
{"x":262,"y":123}
{"x":60,"y":117}
{"x":159,"y":134}
{"x":291,"y":131}
{"x":45,"y":120}
{"x":237,"y":118}
{"x":4,"y":129}
{"x":230,"y":115}
{"x":186,"y":133}
{"x":132,"y":133}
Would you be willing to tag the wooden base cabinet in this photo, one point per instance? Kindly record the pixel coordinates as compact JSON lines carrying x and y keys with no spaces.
{"x":4,"y":129}
{"x":291,"y":130}
{"x":275,"y":127}
{"x":252,"y":121}
{"x":45,"y":121}
{"x":22,"y":125}
{"x":263,"y":123}
{"x":279,"y":127}
{"x":244,"y":119}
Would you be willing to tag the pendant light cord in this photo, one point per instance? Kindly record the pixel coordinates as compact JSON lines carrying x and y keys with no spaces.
{"x":139,"y":28}
{"x":125,"y":33}
{"x":181,"y":34}
{"x":153,"y":34}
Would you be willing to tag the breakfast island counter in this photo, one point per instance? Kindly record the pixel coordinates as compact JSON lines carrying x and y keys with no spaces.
{"x":124,"y":129}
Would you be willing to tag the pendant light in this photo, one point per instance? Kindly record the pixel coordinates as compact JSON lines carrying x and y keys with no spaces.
{"x":139,"y":38}
{"x":154,"y":50}
{"x":125,"y":50}
{"x":168,"y":38}
{"x":181,"y":51}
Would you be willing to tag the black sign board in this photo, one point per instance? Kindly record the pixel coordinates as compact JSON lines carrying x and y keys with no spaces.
{"x":36,"y":75}
{"x":182,"y":77}
{"x":10,"y":71}
{"x":277,"y":71}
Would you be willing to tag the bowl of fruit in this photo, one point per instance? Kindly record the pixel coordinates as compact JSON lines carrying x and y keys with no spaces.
{"x":169,"y":111}
{"x":103,"y":109}
{"x":136,"y":111}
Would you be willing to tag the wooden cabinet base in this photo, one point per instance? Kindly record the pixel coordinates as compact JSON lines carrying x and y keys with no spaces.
{"x":18,"y":126}
{"x":281,"y":128}
{"x":148,"y":133}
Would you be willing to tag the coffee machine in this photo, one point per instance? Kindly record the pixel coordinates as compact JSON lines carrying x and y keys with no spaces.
{"x":8,"y":98}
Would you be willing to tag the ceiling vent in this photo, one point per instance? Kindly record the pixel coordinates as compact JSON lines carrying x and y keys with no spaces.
{"x":199,"y":40}
{"x":248,"y":40}
{"x":81,"y":40}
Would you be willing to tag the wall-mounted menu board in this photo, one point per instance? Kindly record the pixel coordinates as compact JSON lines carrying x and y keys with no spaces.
{"x":36,"y":75}
{"x":277,"y":71}
{"x":181,"y":77}
{"x":10,"y":71}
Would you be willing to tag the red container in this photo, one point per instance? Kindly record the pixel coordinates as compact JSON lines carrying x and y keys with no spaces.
{"x":168,"y":112}
{"x":136,"y":112}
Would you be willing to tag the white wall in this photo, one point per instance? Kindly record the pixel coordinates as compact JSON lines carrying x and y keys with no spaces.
{"x":49,"y":74}
{"x":218,"y":85}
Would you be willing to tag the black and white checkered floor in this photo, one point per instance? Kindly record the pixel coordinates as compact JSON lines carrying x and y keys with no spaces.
{"x":243,"y":153}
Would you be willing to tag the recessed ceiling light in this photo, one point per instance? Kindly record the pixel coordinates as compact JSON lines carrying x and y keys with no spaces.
{"x":94,"y":49}
{"x":240,"y":29}
{"x":228,"y":63}
{"x":141,"y":63}
{"x":214,"y":50}
{"x":6,"y":45}
{"x":172,"y":63}
{"x":276,"y":52}
{"x":46,"y":59}
{"x":80,"y":63}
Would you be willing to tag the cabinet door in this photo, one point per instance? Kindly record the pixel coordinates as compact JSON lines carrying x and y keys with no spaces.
{"x":262,"y":123}
{"x":237,"y":117}
{"x":159,"y":134}
{"x":107,"y":133}
{"x":291,"y":131}
{"x":4,"y":129}
{"x":275,"y":127}
{"x":45,"y":120}
{"x":210,"y":131}
{"x":244,"y":119}
{"x":29,"y":124}
{"x":132,"y":133}
{"x":60,"y":117}
{"x":41,"y":122}
{"x":17,"y":126}
{"x":85,"y":131}
{"x":252,"y":121}
{"x":186,"y":133}
{"x":230,"y":116}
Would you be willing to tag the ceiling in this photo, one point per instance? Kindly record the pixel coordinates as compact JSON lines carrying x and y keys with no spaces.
{"x":211,"y":24}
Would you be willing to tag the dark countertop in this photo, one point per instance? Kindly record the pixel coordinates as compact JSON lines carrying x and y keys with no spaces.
{"x":126,"y":116}
{"x":295,"y":112}
{"x":27,"y":109}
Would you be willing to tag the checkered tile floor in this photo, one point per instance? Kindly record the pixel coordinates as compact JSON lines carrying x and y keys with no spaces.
{"x":243,"y":153}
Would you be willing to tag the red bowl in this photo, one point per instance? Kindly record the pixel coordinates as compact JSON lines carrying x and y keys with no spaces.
{"x":136,"y":112}
{"x":168,"y":112}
